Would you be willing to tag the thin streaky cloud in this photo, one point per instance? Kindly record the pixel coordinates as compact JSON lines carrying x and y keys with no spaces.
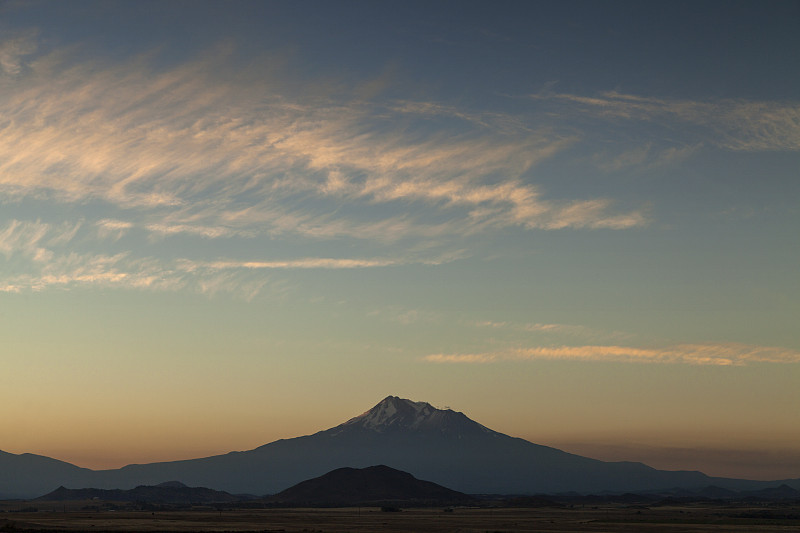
{"x":405,"y":316}
{"x":647,"y":156}
{"x":575,"y":331}
{"x":47,"y":269}
{"x":726,"y":354}
{"x":322,"y":262}
{"x":491,"y":324}
{"x":14,"y":49}
{"x":28,"y":238}
{"x":279,"y":221}
{"x":38,"y":256}
{"x":500,"y":122}
{"x":317,"y":263}
{"x":203,"y":231}
{"x":108,"y":228}
{"x":122,"y":271}
{"x":733,"y":124}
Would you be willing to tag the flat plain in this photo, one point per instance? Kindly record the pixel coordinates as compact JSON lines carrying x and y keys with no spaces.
{"x":609,"y":518}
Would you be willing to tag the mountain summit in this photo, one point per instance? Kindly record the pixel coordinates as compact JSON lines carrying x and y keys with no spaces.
{"x":395,"y":415}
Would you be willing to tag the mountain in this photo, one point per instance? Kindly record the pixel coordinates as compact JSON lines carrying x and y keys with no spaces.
{"x":170,"y":492}
{"x":439,"y":445}
{"x":24,"y":475}
{"x":373,"y":485}
{"x":783,"y":492}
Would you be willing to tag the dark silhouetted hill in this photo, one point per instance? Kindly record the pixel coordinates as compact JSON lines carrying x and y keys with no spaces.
{"x":373,"y":485}
{"x":172,"y":492}
{"x":782,"y":492}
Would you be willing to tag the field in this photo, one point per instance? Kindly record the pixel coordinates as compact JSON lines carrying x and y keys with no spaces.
{"x":609,"y":518}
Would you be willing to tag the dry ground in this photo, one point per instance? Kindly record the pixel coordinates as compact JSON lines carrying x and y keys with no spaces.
{"x":688,"y":518}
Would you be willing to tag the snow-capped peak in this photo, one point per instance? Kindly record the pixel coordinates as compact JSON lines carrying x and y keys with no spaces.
{"x":393,"y":410}
{"x":399,"y":414}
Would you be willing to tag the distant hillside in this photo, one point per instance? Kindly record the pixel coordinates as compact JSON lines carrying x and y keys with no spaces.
{"x":26,"y":475}
{"x":372,"y":485}
{"x":172,"y":492}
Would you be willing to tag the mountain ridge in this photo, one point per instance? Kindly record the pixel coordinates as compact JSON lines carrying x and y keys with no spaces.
{"x":440,"y":445}
{"x":172,"y":492}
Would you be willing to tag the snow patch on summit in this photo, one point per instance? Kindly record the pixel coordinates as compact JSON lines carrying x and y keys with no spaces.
{"x":394,"y":411}
{"x":382,"y":415}
{"x":395,"y":414}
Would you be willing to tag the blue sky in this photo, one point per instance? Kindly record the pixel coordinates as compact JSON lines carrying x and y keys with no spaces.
{"x":226,"y":223}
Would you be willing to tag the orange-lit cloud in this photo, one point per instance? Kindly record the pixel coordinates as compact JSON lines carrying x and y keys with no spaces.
{"x":214,"y":156}
{"x":694,"y":354}
{"x":185,"y":152}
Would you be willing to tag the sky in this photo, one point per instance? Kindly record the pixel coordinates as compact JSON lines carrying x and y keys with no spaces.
{"x":225,"y":223}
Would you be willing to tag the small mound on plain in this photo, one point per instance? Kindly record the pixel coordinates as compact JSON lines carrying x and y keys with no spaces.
{"x":374,"y":485}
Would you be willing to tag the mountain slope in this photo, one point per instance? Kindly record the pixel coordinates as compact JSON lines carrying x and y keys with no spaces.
{"x":442,"y":446}
{"x":24,"y":475}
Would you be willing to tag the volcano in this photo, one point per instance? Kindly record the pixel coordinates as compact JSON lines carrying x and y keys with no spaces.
{"x":440,"y":445}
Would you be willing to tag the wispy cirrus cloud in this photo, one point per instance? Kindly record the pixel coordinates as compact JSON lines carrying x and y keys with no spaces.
{"x":725,"y":354}
{"x":405,"y":316}
{"x":108,"y":228}
{"x":733,"y":124}
{"x":646,"y":156}
{"x":201,"y":149}
{"x":74,"y":269}
{"x":14,"y":48}
{"x":32,"y":238}
{"x":305,"y":263}
{"x":210,"y":232}
{"x":123,"y":270}
{"x":574,"y":331}
{"x":216,"y":156}
{"x":495,"y":121}
{"x":38,"y":255}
